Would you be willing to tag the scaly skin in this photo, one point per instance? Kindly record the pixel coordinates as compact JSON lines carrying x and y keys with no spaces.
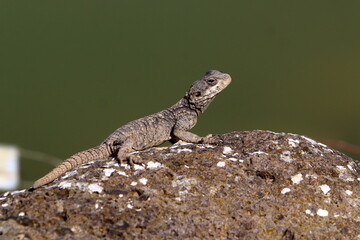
{"x":171,"y":124}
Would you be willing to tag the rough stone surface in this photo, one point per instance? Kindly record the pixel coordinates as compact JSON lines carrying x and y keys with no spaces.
{"x":252,"y":185}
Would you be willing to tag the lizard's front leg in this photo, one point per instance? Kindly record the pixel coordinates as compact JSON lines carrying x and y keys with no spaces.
{"x":187,"y":136}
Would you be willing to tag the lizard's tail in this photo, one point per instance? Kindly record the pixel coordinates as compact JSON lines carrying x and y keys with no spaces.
{"x":75,"y":160}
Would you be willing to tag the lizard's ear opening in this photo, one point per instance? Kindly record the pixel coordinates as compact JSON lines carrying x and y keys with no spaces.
{"x":197,"y":94}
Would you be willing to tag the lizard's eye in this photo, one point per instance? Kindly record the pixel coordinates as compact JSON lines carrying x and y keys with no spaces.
{"x":211,"y":81}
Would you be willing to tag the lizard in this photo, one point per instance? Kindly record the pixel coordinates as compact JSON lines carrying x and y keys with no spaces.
{"x":172,"y":124}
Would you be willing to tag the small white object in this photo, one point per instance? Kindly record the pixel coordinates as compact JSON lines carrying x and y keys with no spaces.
{"x":341,"y":168}
{"x":130,"y":206}
{"x":95,"y":188}
{"x":233,"y":159}
{"x":227,"y":150}
{"x":308,"y":211}
{"x":221,"y":164}
{"x":133,"y":183}
{"x":9,"y":167}
{"x":348,"y":192}
{"x":285,"y":190}
{"x":324,"y":188}
{"x":4,"y":205}
{"x":138,"y":167}
{"x":143,"y":181}
{"x":65,"y":184}
{"x":296,"y":179}
{"x":153,"y":165}
{"x":293,"y":142}
{"x":184,"y":150}
{"x":322,"y":213}
{"x":21,"y":214}
{"x":122,"y":173}
{"x":108,"y":171}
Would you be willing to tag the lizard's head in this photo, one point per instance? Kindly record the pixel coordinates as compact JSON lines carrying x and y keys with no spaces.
{"x":203,"y":91}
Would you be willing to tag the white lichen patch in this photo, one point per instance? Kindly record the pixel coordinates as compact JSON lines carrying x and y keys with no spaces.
{"x":133,"y":183}
{"x":108,"y":171}
{"x":143,"y":181}
{"x":221,"y":164}
{"x":122,"y":173}
{"x":344,"y":174}
{"x":286,"y":157}
{"x":184,"y":150}
{"x":154,"y":165}
{"x":308,"y":211}
{"x":285,"y":190}
{"x":94,"y":187}
{"x":348,"y":192}
{"x":322,"y":213}
{"x":227,"y":150}
{"x":293,"y":142}
{"x":139,"y":167}
{"x":65,"y":184}
{"x":296,"y":179}
{"x":324,"y":188}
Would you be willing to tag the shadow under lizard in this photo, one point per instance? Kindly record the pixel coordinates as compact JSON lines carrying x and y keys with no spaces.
{"x":171,"y":124}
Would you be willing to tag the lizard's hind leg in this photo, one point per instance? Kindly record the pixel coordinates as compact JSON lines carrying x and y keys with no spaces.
{"x":124,"y":152}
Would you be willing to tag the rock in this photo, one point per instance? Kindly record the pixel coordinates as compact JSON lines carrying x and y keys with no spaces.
{"x":252,"y":185}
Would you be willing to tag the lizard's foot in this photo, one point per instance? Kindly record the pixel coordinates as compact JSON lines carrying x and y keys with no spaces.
{"x":134,"y":159}
{"x":210,"y":139}
{"x":130,"y":159}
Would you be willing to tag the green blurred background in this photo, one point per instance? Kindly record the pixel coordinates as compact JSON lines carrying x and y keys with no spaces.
{"x":71,"y":72}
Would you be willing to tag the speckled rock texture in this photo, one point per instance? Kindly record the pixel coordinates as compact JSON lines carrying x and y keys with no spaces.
{"x":251,"y":185}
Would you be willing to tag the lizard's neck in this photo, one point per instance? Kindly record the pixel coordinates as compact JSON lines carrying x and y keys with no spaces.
{"x":186,"y":103}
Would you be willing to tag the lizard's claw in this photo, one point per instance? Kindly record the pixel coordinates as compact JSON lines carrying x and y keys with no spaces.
{"x":134,"y":159}
{"x":209,"y":139}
